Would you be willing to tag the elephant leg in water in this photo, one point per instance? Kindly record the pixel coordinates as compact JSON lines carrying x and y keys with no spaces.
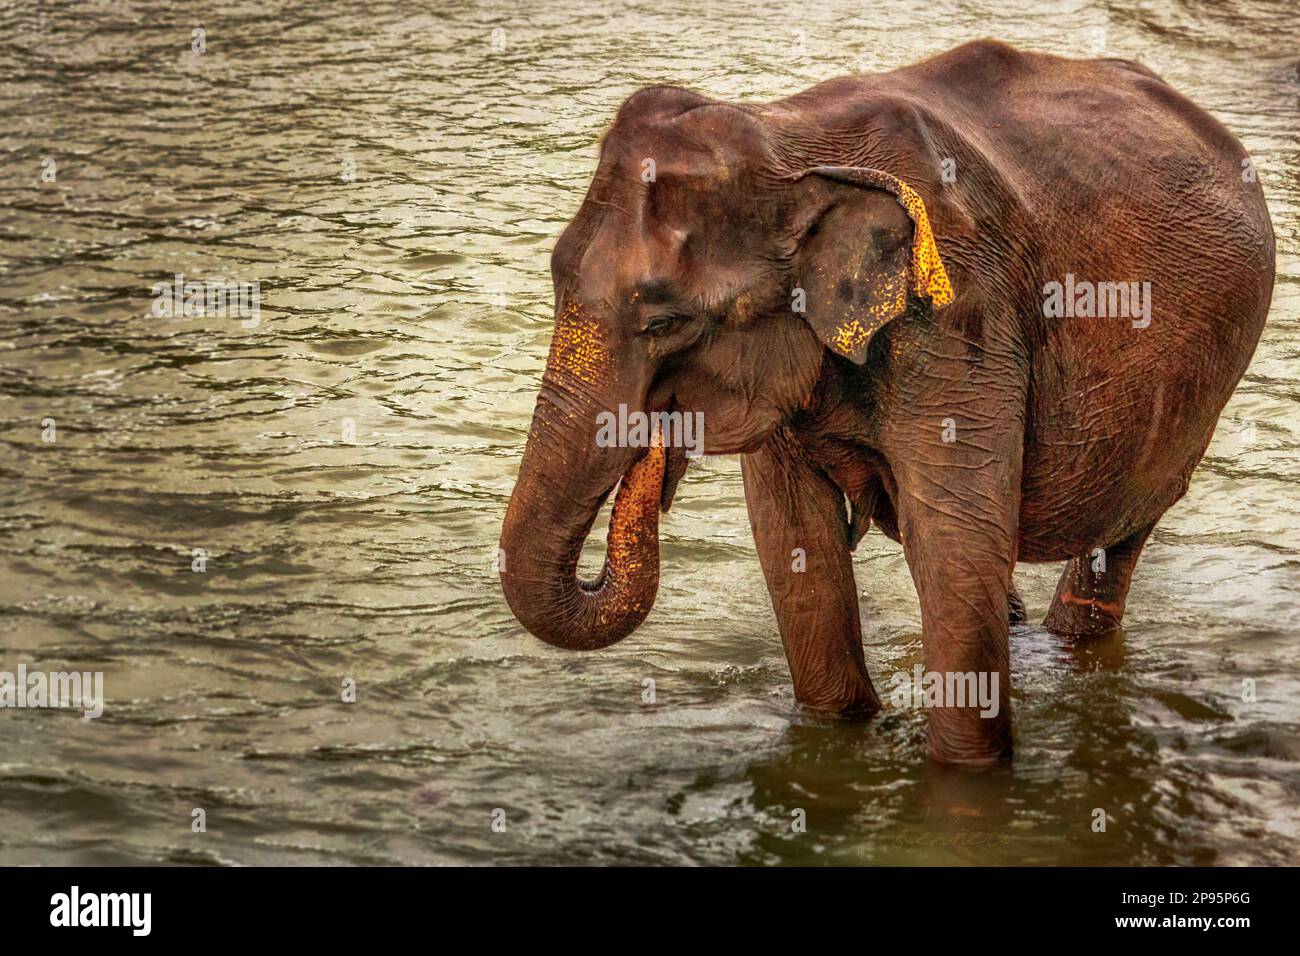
{"x":801,"y":533}
{"x":1093,"y":589}
{"x":1016,"y":613}
{"x":958,"y":527}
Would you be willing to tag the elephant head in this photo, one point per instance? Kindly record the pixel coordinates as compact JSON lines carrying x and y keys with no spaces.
{"x":709,"y":270}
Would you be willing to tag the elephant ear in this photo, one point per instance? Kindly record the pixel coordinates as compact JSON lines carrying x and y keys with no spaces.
{"x":856,"y":272}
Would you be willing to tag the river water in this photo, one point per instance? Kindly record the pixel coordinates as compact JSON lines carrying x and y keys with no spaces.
{"x":394,"y":176}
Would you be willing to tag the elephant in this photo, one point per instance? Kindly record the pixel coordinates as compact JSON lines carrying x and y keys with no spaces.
{"x":992,"y":302}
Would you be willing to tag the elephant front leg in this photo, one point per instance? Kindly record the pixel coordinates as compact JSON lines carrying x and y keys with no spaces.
{"x":801,"y":530}
{"x":957,"y":509}
{"x":965,"y":632}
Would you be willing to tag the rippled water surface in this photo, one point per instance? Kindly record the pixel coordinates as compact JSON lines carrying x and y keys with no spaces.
{"x":414,"y":301}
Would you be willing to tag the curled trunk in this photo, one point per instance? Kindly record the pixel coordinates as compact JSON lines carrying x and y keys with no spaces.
{"x":545,"y":527}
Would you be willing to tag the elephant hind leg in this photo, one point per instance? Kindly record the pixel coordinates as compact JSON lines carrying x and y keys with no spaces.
{"x":1093,"y":589}
{"x":1016,"y":613}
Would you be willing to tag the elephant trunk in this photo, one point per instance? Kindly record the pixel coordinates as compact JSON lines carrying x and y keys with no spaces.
{"x":564,"y":480}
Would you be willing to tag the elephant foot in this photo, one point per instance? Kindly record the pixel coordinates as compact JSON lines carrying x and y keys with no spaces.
{"x":852,"y":699}
{"x":959,"y":739}
{"x":1093,"y":589}
{"x":861,"y":712}
{"x":1073,"y":616}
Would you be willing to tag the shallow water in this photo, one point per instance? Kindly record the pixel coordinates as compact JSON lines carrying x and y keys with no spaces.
{"x":414,"y":301}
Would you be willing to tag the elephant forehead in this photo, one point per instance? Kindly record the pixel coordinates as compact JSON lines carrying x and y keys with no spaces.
{"x":707,"y":140}
{"x":632,"y":261}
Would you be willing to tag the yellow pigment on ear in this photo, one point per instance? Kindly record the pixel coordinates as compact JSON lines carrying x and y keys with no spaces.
{"x":929,"y":278}
{"x":851,"y":337}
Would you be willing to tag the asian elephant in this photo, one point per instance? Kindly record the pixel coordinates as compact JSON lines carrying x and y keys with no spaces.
{"x":993,"y":302}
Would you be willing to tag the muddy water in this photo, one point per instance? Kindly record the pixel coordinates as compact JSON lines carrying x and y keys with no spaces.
{"x":395,"y":184}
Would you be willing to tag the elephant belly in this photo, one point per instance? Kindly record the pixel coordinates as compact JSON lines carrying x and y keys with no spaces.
{"x":1115,"y":429}
{"x":1083,"y":489}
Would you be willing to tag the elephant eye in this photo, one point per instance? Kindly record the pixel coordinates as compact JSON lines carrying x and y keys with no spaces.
{"x":663,"y":324}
